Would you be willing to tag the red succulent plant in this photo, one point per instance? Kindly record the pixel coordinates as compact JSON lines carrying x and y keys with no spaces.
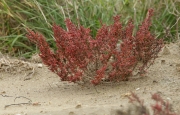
{"x":76,"y":50}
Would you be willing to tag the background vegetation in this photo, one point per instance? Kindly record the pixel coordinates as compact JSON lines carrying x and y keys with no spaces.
{"x":39,"y":15}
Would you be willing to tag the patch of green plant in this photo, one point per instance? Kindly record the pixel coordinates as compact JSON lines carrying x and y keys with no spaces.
{"x":17,"y":16}
{"x":39,"y":15}
{"x":165,"y":23}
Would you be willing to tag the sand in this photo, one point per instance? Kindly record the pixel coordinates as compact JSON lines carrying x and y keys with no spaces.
{"x":35,"y":90}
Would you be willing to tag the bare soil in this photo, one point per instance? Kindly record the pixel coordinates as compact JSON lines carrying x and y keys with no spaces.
{"x":29,"y":88}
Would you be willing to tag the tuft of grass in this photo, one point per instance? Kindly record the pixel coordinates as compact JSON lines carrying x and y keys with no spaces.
{"x":39,"y":15}
{"x":90,"y":13}
{"x":19,"y":15}
{"x":166,"y":20}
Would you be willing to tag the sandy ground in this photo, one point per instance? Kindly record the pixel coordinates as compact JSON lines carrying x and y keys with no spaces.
{"x":40,"y":92}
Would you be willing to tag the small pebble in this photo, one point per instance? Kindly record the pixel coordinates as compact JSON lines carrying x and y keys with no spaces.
{"x":39,"y":65}
{"x":78,"y":106}
{"x":71,"y":113}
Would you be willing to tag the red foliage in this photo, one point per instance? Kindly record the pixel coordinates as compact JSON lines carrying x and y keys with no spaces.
{"x":146,"y":45}
{"x":47,"y":56}
{"x":73,"y":52}
{"x":76,"y":50}
{"x":126,"y":59}
{"x":159,"y":108}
